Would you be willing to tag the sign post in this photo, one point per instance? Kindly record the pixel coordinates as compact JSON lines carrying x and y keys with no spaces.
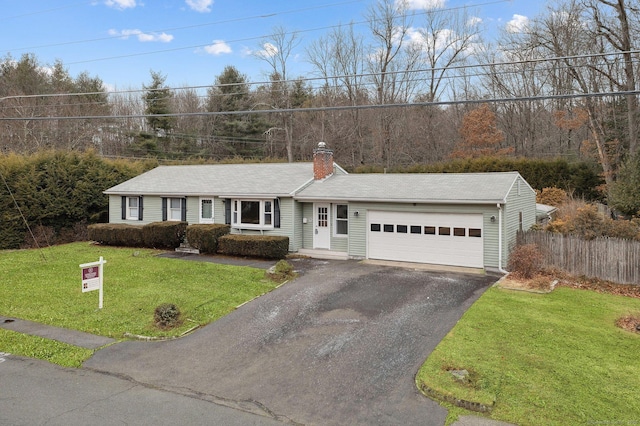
{"x":92,"y":278}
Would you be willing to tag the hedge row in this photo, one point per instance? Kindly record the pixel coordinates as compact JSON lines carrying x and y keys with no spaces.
{"x":57,"y":190}
{"x":270,"y":247}
{"x":205,"y":237}
{"x":161,"y":235}
{"x":209,"y":239}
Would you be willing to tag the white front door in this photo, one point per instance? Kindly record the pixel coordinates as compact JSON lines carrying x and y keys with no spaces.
{"x":321,"y":229}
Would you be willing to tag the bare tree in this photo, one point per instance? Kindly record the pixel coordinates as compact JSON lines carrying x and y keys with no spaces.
{"x":617,"y":32}
{"x":339,"y":58}
{"x":276,"y":50}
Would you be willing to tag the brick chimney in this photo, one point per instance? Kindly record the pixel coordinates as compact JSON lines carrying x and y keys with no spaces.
{"x":322,"y":162}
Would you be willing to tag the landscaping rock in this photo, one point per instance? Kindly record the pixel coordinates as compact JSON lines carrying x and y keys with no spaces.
{"x":460,"y":375}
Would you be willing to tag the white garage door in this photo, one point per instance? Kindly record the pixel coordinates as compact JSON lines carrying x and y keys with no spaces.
{"x":440,"y":238}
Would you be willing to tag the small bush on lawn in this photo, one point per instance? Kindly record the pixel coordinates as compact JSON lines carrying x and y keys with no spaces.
{"x":205,"y":237}
{"x":167,"y":315}
{"x":525,"y":261}
{"x":281,"y":271}
{"x":269,"y":247}
{"x":165,"y":235}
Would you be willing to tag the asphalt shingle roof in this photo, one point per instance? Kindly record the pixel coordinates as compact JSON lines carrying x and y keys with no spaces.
{"x":284,"y":179}
{"x":423,"y":187}
{"x":263,"y":179}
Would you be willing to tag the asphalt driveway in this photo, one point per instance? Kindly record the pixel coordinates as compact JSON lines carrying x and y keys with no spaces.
{"x":339,"y":345}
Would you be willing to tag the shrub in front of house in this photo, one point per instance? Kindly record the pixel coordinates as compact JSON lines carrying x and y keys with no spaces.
{"x":116,"y":234}
{"x":164,"y":235}
{"x":270,"y":247}
{"x":205,"y":237}
{"x":525,"y":261}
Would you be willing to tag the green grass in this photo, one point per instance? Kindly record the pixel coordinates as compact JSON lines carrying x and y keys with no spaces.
{"x":44,"y":286}
{"x":38,"y":347}
{"x":552,"y":359}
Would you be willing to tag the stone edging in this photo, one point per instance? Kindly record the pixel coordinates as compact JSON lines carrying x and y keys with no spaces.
{"x":462,"y":403}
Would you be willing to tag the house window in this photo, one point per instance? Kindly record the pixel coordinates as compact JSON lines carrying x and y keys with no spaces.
{"x":475,"y":232}
{"x":132,"y":208}
{"x":342,"y":219}
{"x":175,"y":209}
{"x":206,"y":210}
{"x":429,"y":230}
{"x":250,"y":212}
{"x":253,"y":213}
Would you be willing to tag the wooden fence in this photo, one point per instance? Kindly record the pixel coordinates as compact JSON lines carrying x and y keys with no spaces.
{"x":610,"y":259}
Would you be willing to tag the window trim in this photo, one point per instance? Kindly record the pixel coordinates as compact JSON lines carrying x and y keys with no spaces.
{"x":337,"y":219}
{"x":171,"y":210}
{"x":236,"y":213}
{"x":213,"y":212}
{"x":128,"y":207}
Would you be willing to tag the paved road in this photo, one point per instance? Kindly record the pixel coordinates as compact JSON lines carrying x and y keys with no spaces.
{"x":34,"y":392}
{"x":339,"y":345}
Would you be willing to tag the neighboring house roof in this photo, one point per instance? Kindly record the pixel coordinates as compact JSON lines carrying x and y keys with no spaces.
{"x":258,"y":179}
{"x":543,"y":210}
{"x":468,"y":188}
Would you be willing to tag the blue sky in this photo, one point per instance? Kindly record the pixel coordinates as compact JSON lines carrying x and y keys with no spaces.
{"x":191,"y":41}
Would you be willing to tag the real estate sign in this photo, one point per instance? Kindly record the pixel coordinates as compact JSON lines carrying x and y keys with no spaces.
{"x":92,"y":275}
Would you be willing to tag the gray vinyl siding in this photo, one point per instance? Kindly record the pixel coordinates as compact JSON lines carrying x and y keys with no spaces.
{"x":307,"y":228}
{"x":151,"y":210}
{"x":193,"y":210}
{"x":218,"y":210}
{"x":298,"y":214}
{"x":524,"y":202}
{"x":358,"y":226}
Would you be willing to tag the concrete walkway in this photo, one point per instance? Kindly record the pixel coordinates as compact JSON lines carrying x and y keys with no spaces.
{"x":72,"y":337}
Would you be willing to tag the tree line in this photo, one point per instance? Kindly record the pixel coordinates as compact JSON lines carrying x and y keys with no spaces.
{"x":563,"y":85}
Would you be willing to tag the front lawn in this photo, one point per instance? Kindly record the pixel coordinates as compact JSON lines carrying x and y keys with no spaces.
{"x":45,"y":286}
{"x":547,"y":359}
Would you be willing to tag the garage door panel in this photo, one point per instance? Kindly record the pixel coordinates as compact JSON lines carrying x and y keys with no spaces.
{"x":426,"y":248}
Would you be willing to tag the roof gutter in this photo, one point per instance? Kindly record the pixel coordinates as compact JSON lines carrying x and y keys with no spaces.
{"x":500,"y":239}
{"x":394,"y":200}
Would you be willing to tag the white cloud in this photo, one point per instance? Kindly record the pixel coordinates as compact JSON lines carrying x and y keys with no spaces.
{"x":423,"y":4}
{"x":200,"y":5}
{"x":268,"y":50}
{"x":142,"y":36}
{"x":473,"y":21}
{"x":218,"y":47}
{"x":441,"y":41}
{"x":121,"y":4}
{"x":517,"y":24}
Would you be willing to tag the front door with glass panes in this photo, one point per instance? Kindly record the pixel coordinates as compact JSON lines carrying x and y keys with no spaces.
{"x":321,"y":229}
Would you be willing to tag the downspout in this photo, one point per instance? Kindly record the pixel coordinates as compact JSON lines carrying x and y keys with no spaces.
{"x":500,"y":239}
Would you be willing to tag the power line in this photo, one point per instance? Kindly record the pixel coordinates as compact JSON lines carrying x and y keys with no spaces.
{"x":197,"y":46}
{"x":334,"y":108}
{"x":337,"y":77}
{"x":206,"y":24}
